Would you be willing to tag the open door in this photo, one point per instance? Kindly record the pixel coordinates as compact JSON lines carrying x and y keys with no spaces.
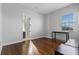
{"x":26,"y":34}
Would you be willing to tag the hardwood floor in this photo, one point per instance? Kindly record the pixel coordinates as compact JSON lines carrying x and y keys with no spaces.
{"x":41,"y":46}
{"x":14,"y":49}
{"x":45,"y":46}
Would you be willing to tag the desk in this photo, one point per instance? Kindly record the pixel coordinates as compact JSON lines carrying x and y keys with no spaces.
{"x":61,"y":32}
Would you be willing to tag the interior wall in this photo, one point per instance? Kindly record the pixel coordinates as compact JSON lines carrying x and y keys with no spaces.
{"x":0,"y":27}
{"x":46,"y":26}
{"x":12,"y":15}
{"x":55,"y":25}
{"x":37,"y":23}
{"x":0,"y":23}
{"x":11,"y":23}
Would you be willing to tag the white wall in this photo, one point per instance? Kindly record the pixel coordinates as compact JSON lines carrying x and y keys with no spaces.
{"x":0,"y":23}
{"x":46,"y":26}
{"x":12,"y":23}
{"x":0,"y":27}
{"x":37,"y":23}
{"x":54,"y":21}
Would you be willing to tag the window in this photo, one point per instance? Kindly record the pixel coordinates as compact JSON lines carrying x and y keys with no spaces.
{"x":67,"y":22}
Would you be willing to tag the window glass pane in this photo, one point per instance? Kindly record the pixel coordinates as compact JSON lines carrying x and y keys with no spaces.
{"x":67,"y":22}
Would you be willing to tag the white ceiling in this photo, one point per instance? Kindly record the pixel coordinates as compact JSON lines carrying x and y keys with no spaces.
{"x":44,"y":8}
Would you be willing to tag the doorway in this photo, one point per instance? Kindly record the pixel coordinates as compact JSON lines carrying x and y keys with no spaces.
{"x":26,"y":26}
{"x":26,"y":34}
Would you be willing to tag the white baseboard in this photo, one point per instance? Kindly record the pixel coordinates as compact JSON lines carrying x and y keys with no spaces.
{"x":48,"y":37}
{"x":33,"y":38}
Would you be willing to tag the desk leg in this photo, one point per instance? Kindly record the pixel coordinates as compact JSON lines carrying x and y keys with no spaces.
{"x":67,"y":37}
{"x":52,"y":36}
{"x":55,"y":36}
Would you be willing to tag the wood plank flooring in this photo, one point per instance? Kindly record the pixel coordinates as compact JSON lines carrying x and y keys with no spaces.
{"x":41,"y":46}
{"x":45,"y":46}
{"x":13,"y":49}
